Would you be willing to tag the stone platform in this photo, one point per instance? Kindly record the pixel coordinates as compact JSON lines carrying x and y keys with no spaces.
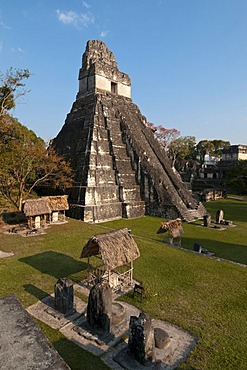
{"x":169,"y":358}
{"x":74,"y":326}
{"x":97,"y":343}
{"x":45,"y":311}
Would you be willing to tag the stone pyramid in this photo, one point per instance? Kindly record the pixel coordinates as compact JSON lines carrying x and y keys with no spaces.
{"x":120,"y":169}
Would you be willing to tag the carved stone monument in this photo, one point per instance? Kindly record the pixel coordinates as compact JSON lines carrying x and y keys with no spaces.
{"x":219,"y":216}
{"x":99,"y":308}
{"x":141,"y":338}
{"x":197,"y":248}
{"x":206,"y":220}
{"x":64,"y":295}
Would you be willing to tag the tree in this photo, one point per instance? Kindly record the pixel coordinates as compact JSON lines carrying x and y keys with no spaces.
{"x":11,"y":88}
{"x":220,"y":145}
{"x":211,"y":147}
{"x":237,"y":178}
{"x":204,"y":147}
{"x":181,"y":151}
{"x":25,"y":163}
{"x":164,"y":135}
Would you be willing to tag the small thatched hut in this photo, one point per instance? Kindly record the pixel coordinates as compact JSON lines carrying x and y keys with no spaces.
{"x":58,"y":204}
{"x":44,"y":210}
{"x":37,"y":211}
{"x":116,"y":251}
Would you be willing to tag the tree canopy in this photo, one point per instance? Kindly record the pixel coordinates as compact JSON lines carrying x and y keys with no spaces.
{"x":181,"y":151}
{"x":164,"y":135}
{"x":210,"y":147}
{"x":12,"y":86}
{"x":237,"y":177}
{"x":25,"y":163}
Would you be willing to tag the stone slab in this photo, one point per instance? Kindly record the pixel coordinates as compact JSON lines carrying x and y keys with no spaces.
{"x":5,"y":254}
{"x":23,"y":345}
{"x":94,"y":343}
{"x":44,"y":311}
{"x":115,"y":355}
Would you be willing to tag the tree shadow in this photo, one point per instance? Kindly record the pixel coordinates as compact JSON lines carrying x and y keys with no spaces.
{"x":54,"y":264}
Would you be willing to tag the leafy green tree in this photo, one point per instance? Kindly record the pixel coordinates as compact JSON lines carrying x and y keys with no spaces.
{"x":204,"y":147}
{"x":219,"y":145}
{"x":181,"y":151}
{"x":210,"y":147}
{"x":26,"y":163}
{"x":237,"y":178}
{"x":12,"y":87}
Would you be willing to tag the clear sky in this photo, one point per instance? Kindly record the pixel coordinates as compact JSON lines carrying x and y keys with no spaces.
{"x":187,"y":59}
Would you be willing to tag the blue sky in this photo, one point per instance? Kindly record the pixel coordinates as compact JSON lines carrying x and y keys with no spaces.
{"x":187,"y":59}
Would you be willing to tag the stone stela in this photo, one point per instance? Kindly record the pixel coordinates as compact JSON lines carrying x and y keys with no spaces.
{"x":64,"y":296}
{"x":141,"y":338}
{"x":206,"y":220}
{"x":219,"y":216}
{"x":99,"y":308}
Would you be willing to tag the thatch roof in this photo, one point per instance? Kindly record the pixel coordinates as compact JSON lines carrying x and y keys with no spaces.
{"x":58,"y":202}
{"x":45,"y":205}
{"x":116,"y":248}
{"x":36,"y":207}
{"x":174,"y":226}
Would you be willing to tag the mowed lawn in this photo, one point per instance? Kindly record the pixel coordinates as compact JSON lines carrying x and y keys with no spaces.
{"x":206,"y":296}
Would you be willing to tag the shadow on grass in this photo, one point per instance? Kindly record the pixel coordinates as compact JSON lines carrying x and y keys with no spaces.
{"x":13,"y":218}
{"x":36,"y":292}
{"x":233,"y":210}
{"x":54,"y":264}
{"x":232,"y":252}
{"x":76,"y":357}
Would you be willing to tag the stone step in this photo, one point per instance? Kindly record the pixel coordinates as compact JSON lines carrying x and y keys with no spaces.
{"x":127,"y":179}
{"x":123,"y":165}
{"x":133,"y":209}
{"x":92,"y":195}
{"x":130,"y":193}
{"x":96,"y":213}
{"x":119,"y":152}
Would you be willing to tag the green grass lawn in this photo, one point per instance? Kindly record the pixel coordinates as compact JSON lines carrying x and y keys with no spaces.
{"x":205,"y":296}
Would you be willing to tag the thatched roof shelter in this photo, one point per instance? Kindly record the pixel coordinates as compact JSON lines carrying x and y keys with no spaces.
{"x":36,"y":207}
{"x":117,"y":248}
{"x":58,"y":202}
{"x":173,"y":226}
{"x":45,"y":205}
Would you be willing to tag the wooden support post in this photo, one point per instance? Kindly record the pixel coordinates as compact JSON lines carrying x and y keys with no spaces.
{"x":131,"y":271}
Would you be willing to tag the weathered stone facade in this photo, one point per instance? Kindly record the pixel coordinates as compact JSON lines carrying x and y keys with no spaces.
{"x":100,"y":72}
{"x":120,"y":170}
